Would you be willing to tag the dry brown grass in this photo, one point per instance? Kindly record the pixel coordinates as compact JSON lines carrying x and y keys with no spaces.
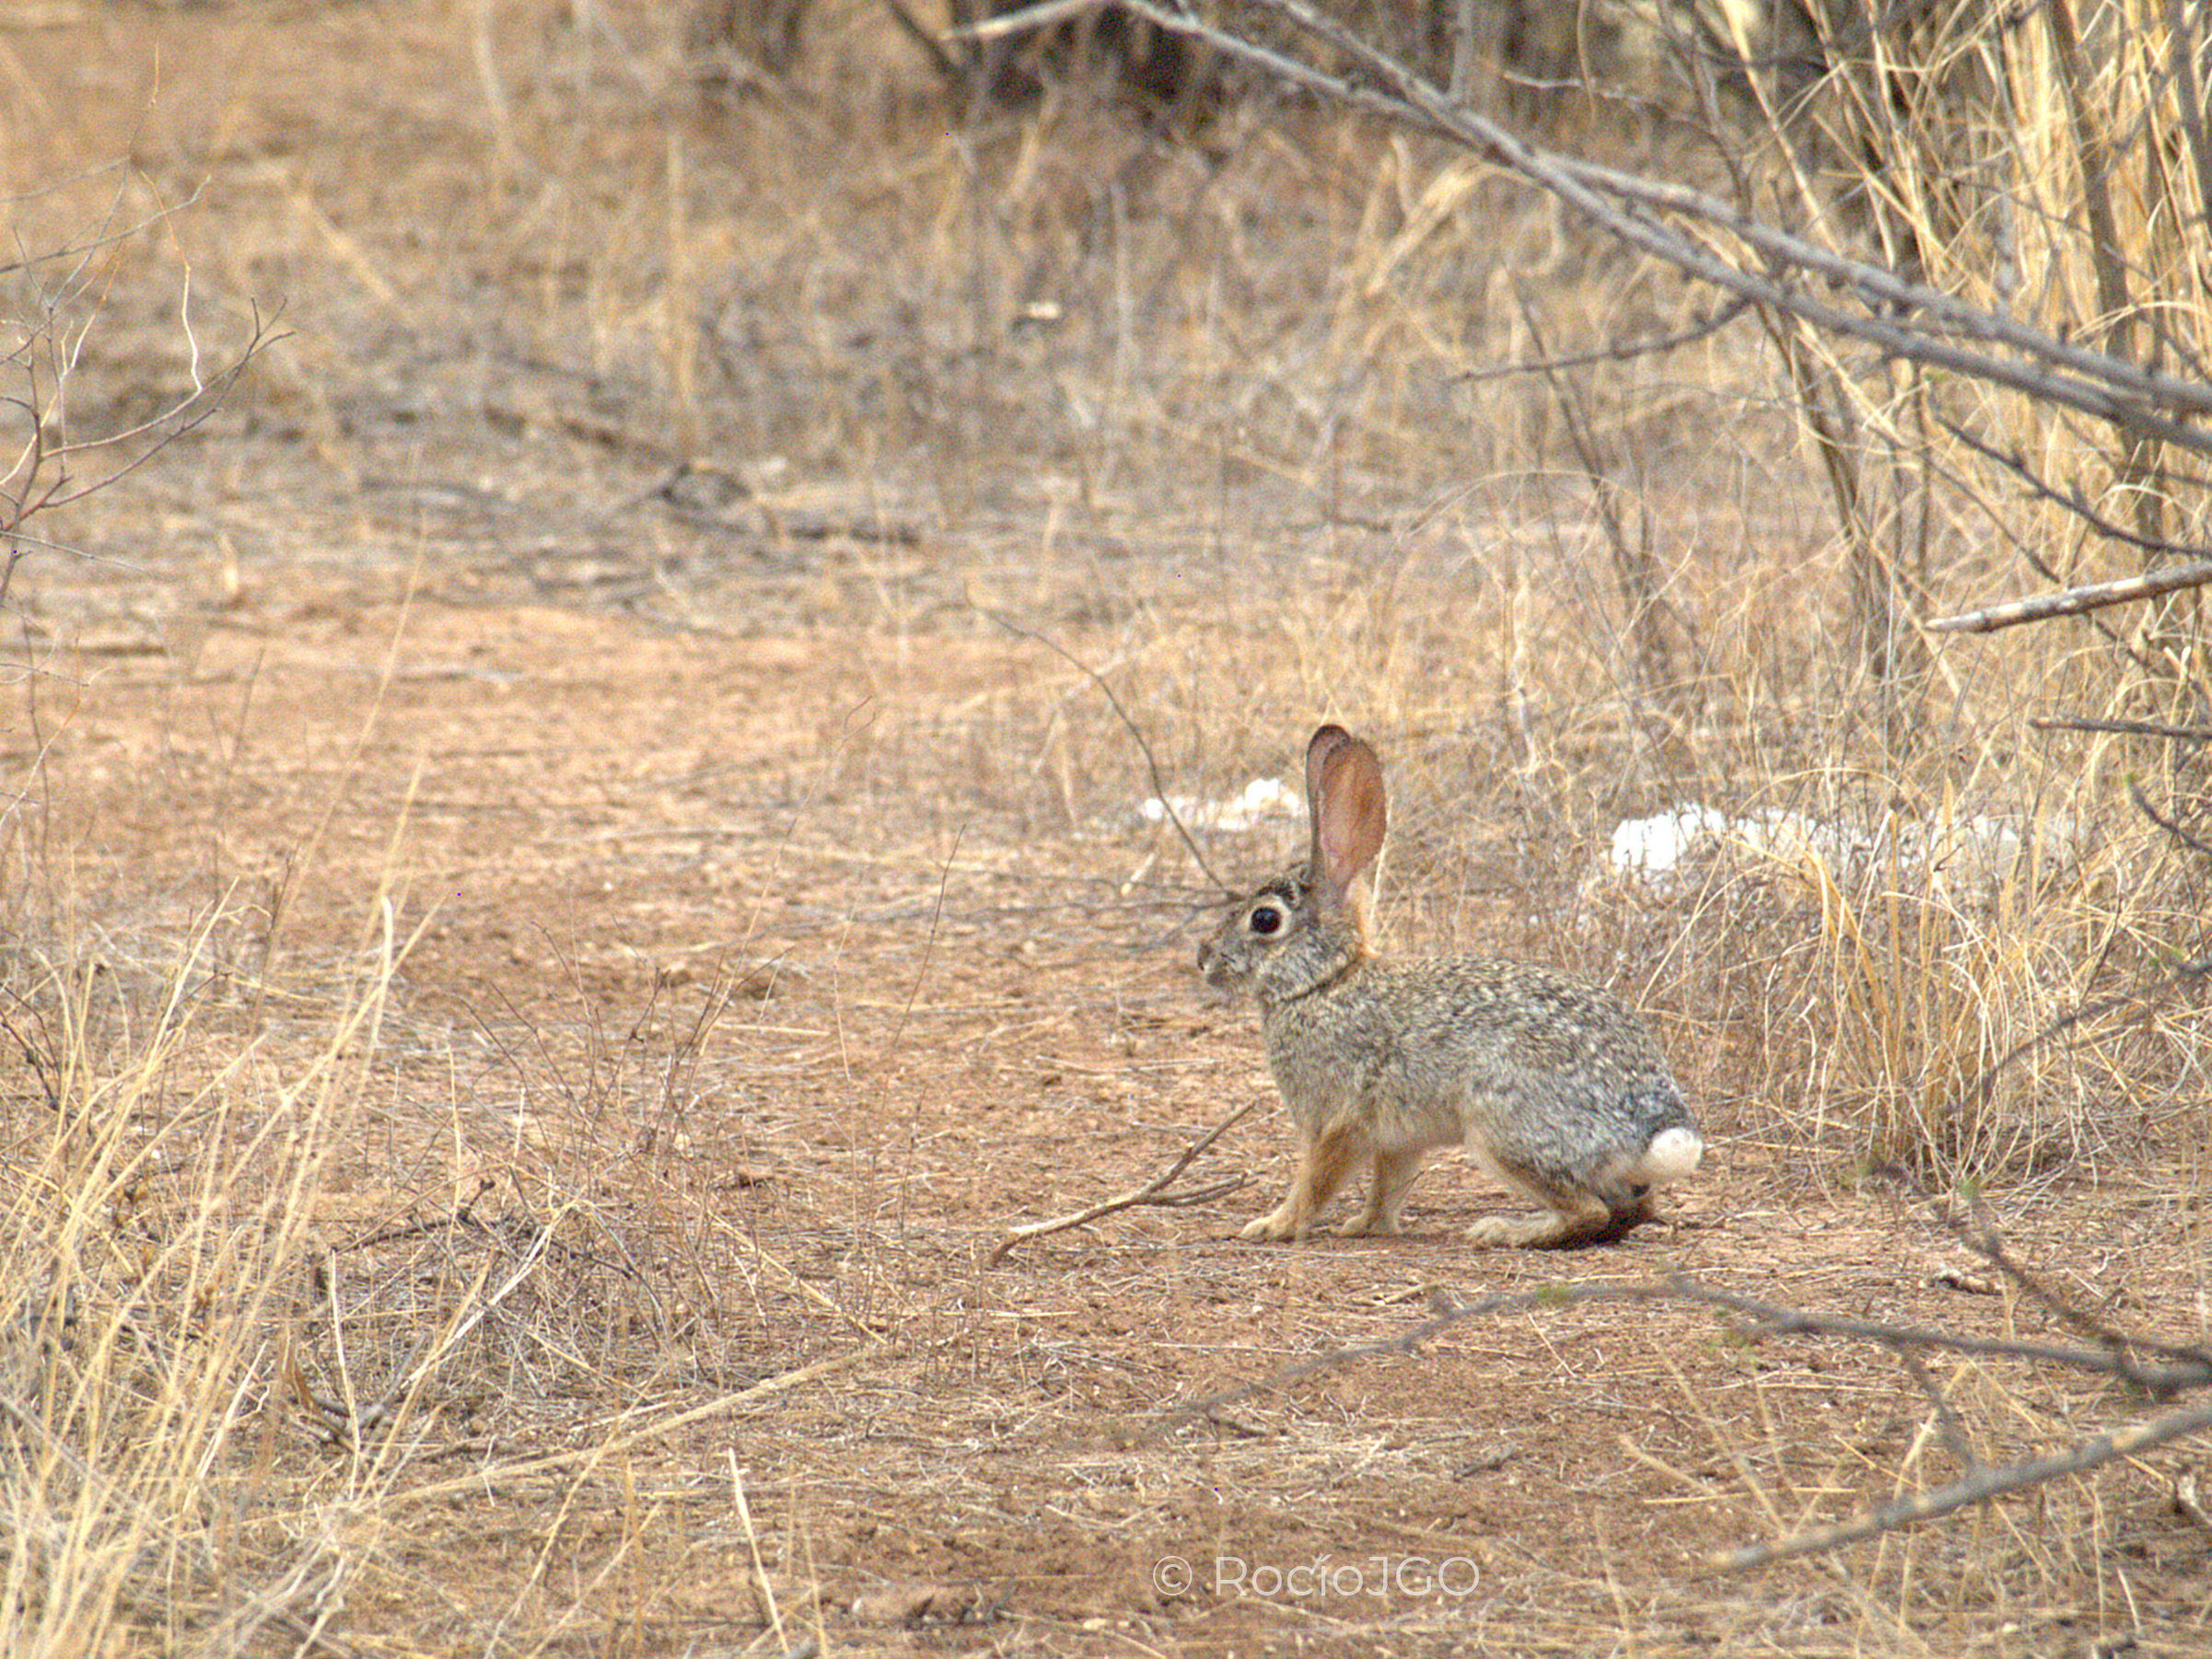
{"x":549,"y":932}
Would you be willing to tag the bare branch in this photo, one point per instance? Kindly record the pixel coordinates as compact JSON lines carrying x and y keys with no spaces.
{"x":106,"y":237}
{"x":2181,"y":40}
{"x":2128,"y":728}
{"x":2073,"y":601}
{"x":948,"y":71}
{"x":1769,"y":1321}
{"x":2143,"y":805}
{"x":1154,"y":1191}
{"x":2196,"y":1371}
{"x":2193,"y":1371}
{"x":24,"y":493}
{"x":2071,"y":499}
{"x":2192,"y":1367}
{"x":1042,"y":15}
{"x":1900,"y":319}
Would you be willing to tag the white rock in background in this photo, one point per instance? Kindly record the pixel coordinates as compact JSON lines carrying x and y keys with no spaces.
{"x":1264,"y":798}
{"x":1651,"y":847}
{"x":1974,"y":853}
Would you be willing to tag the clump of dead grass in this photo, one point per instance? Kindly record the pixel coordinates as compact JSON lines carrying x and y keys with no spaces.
{"x":160,"y":1187}
{"x":239,"y":1351}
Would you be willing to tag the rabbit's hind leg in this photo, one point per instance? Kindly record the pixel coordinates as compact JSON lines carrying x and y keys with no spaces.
{"x":1575,"y":1217}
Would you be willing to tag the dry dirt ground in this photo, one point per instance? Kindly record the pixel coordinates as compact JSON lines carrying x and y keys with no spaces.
{"x":749,"y":931}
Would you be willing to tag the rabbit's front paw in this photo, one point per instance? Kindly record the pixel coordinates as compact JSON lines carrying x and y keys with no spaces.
{"x":1369,"y":1223}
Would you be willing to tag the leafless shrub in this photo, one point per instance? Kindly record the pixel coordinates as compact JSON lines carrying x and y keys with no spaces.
{"x":50,"y":463}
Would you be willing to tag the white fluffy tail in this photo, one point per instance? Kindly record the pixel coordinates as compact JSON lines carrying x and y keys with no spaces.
{"x":1673,"y":1155}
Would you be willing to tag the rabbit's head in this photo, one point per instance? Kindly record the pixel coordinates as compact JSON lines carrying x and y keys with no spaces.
{"x":1303,"y":929}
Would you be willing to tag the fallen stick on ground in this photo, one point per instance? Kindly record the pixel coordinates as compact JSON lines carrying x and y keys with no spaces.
{"x":1154,"y":1191}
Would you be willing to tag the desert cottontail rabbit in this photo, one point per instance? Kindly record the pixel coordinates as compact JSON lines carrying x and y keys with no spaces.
{"x":1557,"y":1087}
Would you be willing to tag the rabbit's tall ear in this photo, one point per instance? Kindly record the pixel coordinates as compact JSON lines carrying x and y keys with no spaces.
{"x":1350,"y":817}
{"x":1319,"y":748}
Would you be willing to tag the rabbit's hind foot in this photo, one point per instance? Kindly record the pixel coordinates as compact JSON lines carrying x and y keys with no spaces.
{"x":1594,"y":1222}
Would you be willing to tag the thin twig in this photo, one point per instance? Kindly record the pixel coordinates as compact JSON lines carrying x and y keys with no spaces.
{"x":1043,"y":16}
{"x":1768,"y":1320}
{"x":1626,"y":351}
{"x":1153,"y":1191}
{"x":930,"y":944}
{"x":2184,"y":46}
{"x":2128,"y":728}
{"x":948,"y":71}
{"x":1160,"y":785}
{"x":1946,"y":1420}
{"x":2138,"y":996}
{"x":2135,"y":997}
{"x":1651,"y":616}
{"x":1791,"y":1321}
{"x":491,"y":1476}
{"x":2071,"y":499}
{"x":2074,"y":502}
{"x":1977,"y":1487}
{"x":2143,"y":805}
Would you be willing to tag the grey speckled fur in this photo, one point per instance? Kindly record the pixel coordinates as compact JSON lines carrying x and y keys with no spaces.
{"x":1556,"y":1086}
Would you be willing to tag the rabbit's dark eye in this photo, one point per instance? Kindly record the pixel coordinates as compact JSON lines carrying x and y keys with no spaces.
{"x":1266,"y":920}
